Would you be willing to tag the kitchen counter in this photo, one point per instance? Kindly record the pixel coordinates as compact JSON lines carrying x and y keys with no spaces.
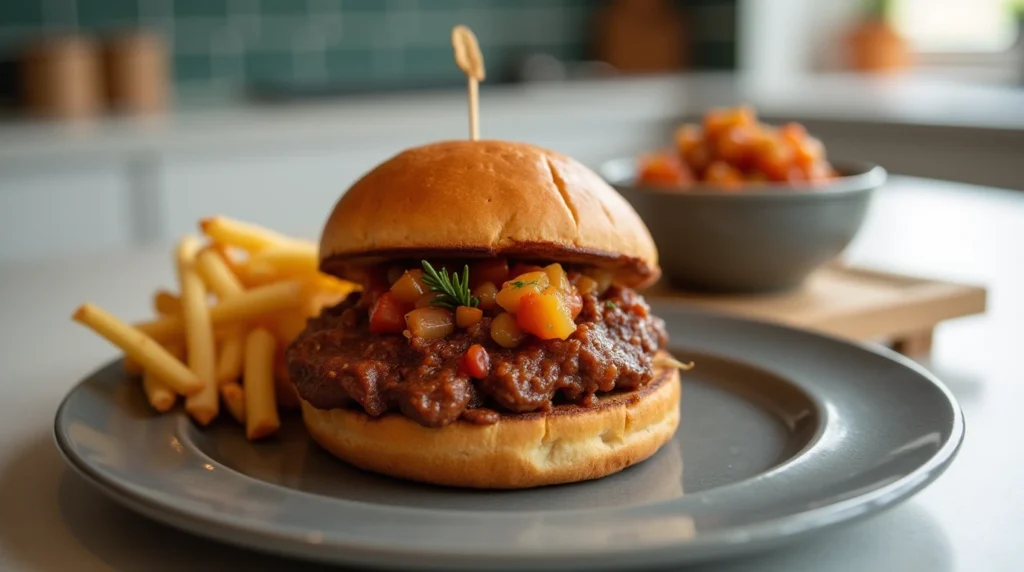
{"x":968,"y":520}
{"x":402,"y":119}
{"x":399,"y":120}
{"x":903,"y":101}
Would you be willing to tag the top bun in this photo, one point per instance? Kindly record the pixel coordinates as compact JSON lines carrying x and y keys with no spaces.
{"x":470,"y":199}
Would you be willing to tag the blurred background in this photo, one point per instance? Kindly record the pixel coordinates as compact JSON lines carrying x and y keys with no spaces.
{"x":123,"y":121}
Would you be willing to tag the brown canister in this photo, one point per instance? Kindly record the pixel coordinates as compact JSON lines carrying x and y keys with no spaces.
{"x":62,"y":78}
{"x":137,"y":72}
{"x":642,"y":36}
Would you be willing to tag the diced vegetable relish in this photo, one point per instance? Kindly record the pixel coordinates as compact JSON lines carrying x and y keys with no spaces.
{"x":730,"y":149}
{"x":559,"y":345}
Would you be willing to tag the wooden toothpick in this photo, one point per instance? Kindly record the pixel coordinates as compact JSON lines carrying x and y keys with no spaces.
{"x":469,"y":60}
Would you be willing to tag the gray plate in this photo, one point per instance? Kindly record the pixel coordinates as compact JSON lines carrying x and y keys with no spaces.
{"x":783,"y":433}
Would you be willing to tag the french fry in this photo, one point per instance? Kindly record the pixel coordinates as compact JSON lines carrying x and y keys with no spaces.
{"x":140,"y":347}
{"x":224,"y":283}
{"x":234,"y":400}
{"x":218,"y":275}
{"x":295,"y":259}
{"x":288,"y":324}
{"x":203,"y":405}
{"x":228,"y":254}
{"x":250,"y":304}
{"x":328,"y":283}
{"x":247,"y":236}
{"x":133,"y":368}
{"x":165,"y":303}
{"x":232,"y":354}
{"x":261,"y":417}
{"x":262,"y":280}
{"x":159,"y":394}
{"x":248,"y":281}
{"x":260,"y":274}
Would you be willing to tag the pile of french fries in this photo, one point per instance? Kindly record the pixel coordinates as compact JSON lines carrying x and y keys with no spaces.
{"x":244,"y":292}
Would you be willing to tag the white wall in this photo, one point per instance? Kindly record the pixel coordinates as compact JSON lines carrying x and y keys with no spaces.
{"x":780,"y":39}
{"x":784,"y":39}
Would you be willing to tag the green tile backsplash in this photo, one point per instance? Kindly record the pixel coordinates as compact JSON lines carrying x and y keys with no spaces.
{"x":324,"y":42}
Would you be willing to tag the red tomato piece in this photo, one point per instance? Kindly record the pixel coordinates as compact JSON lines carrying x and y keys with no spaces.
{"x":476,"y":362}
{"x":387,"y":316}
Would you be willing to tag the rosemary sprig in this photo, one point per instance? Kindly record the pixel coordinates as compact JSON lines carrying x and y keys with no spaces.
{"x":452,"y":291}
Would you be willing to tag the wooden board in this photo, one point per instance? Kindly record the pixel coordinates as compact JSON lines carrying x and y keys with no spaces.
{"x":851,"y":302}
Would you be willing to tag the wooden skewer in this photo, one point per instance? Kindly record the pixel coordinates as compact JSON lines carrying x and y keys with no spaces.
{"x":474,"y":110}
{"x":469,"y":60}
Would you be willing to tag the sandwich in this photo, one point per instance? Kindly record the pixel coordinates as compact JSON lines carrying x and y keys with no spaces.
{"x":498,"y":340}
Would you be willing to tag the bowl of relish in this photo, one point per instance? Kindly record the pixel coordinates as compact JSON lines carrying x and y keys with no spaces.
{"x":736,"y":205}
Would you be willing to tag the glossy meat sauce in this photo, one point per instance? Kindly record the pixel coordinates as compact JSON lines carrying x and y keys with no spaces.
{"x":336,"y":363}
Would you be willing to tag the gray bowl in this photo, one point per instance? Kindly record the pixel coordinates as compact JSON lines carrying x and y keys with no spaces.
{"x":762,"y":239}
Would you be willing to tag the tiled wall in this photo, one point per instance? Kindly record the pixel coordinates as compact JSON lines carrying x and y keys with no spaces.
{"x":310,"y":42}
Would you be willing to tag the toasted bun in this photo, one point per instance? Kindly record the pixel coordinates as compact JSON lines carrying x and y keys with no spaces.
{"x":567,"y":444}
{"x":486,"y":198}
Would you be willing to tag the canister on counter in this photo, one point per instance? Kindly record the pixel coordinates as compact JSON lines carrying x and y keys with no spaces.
{"x":136,"y":72}
{"x":62,"y":78}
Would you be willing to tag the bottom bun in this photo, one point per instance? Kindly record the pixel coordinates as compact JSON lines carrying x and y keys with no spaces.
{"x":564,"y":445}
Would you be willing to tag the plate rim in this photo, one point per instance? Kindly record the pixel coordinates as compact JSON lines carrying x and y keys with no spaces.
{"x":735,"y":540}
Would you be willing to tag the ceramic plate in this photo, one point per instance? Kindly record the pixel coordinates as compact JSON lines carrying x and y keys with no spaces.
{"x":783,"y":433}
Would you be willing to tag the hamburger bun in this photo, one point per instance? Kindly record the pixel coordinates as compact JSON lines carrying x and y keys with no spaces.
{"x":567,"y":444}
{"x":485,"y":199}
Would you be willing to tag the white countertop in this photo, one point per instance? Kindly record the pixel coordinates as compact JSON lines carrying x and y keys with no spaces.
{"x":908,"y":100}
{"x":969,"y":520}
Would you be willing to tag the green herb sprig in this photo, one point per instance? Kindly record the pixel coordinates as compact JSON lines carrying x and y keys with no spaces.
{"x":452,"y":291}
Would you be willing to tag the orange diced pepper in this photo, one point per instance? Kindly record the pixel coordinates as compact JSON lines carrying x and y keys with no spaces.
{"x":545,"y":316}
{"x":514,"y":290}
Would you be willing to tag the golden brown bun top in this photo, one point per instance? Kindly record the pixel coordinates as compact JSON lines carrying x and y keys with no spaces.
{"x":471,"y":199}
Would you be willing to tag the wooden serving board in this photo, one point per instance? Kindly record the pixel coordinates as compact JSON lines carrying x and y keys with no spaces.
{"x":852,"y":302}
